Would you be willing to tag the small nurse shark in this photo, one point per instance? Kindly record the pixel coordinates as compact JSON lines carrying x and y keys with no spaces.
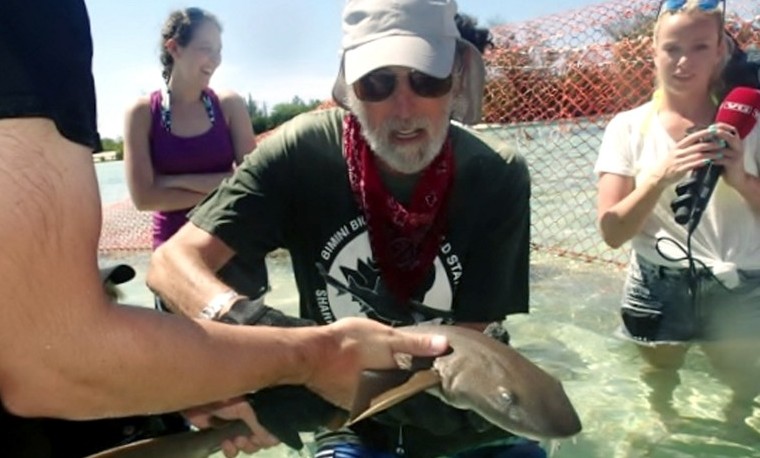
{"x":479,"y":373}
{"x":489,"y":377}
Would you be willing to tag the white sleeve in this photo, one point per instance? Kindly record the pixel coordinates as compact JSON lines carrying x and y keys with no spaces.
{"x":615,"y":153}
{"x":752,"y":151}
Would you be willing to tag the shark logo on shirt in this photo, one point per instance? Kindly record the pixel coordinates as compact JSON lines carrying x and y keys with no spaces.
{"x":366,"y":288}
{"x":354,"y":286}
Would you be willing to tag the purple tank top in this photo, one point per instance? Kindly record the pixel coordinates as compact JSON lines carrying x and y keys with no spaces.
{"x":210,"y":152}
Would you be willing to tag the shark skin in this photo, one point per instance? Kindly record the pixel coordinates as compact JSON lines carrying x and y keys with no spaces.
{"x":494,"y":380}
{"x":191,"y":444}
{"x":479,"y":373}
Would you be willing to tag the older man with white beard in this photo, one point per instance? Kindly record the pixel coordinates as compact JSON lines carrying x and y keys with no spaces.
{"x":388,"y":209}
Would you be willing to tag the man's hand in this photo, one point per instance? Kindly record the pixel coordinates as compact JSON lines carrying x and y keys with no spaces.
{"x":364,"y":344}
{"x":429,"y":413}
{"x":289,"y":409}
{"x":233,"y":409}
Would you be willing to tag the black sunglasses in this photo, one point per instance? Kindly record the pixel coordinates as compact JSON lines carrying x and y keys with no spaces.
{"x":378,"y":85}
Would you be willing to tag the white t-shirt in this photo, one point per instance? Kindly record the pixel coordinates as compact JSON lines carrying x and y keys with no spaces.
{"x":728,"y":235}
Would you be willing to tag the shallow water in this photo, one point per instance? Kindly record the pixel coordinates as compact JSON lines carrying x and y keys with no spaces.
{"x":570,"y":333}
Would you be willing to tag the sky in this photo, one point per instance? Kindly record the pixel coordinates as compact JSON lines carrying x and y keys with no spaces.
{"x":272,"y":49}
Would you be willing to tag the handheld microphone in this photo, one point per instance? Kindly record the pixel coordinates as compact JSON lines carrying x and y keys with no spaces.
{"x":740,"y":109}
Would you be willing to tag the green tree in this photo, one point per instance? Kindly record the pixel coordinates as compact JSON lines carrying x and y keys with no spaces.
{"x":263,"y":120}
{"x":283,"y":112}
{"x":117,"y":144}
{"x":259,"y":115}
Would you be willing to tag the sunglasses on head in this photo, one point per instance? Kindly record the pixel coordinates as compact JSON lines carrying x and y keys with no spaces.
{"x":378,"y":85}
{"x":703,"y":5}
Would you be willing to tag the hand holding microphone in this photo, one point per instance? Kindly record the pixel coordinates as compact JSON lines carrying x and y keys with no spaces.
{"x":737,"y":115}
{"x":701,"y":149}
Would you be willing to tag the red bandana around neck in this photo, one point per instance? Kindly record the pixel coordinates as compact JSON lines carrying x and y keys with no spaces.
{"x":404,"y":240}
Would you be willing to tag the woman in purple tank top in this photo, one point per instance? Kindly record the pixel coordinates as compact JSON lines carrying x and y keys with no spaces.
{"x":183,"y":140}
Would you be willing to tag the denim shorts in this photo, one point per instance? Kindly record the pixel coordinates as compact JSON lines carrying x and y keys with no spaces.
{"x":46,"y":66}
{"x":657,"y":305}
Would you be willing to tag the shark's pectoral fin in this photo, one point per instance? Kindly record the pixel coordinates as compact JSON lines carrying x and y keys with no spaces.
{"x":372,"y":384}
{"x":379,"y":390}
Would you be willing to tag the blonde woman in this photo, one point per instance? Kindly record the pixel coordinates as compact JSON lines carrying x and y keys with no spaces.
{"x":645,"y":153}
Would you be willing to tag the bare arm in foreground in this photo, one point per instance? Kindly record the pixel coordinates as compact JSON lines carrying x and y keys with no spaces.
{"x":65,"y":351}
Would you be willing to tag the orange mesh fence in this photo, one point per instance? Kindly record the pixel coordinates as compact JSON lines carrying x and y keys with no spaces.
{"x":125,"y":228}
{"x":553,"y":84}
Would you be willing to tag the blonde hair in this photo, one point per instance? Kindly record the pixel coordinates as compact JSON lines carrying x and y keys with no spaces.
{"x":692,"y":7}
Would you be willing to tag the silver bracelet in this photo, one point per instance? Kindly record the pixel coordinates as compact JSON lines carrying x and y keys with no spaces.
{"x":217,"y":303}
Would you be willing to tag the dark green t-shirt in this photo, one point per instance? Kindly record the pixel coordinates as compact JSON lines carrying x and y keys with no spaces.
{"x":293,"y":192}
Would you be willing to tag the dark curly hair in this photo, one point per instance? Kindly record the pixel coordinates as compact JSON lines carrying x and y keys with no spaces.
{"x":181,"y":26}
{"x":480,"y":37}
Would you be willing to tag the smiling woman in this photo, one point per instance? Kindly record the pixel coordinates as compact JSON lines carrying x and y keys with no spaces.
{"x":184,"y":139}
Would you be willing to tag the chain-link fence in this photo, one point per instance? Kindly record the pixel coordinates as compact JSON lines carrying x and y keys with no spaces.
{"x":553,"y":84}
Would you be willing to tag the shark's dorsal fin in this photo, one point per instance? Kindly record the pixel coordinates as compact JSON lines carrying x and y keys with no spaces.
{"x":382,"y":393}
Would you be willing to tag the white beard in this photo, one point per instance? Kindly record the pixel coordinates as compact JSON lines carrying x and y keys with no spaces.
{"x":408,"y":159}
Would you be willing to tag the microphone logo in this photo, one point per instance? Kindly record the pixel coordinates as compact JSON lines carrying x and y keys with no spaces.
{"x":742,"y":108}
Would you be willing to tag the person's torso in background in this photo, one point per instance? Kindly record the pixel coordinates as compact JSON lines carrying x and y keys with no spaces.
{"x":209,"y":152}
